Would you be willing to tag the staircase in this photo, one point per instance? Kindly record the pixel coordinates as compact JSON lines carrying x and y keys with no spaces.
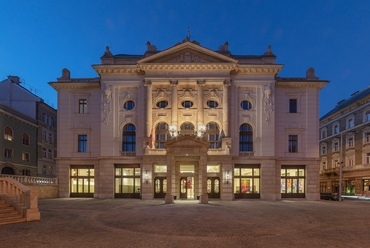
{"x":9,"y":214}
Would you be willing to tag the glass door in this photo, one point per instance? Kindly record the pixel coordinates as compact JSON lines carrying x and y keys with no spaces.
{"x":213,"y":187}
{"x":160,"y":187}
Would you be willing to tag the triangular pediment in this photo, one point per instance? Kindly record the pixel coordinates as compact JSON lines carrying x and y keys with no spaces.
{"x":187,"y":53}
{"x":186,"y":141}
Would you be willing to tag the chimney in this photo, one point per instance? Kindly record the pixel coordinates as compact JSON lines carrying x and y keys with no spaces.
{"x":14,"y":79}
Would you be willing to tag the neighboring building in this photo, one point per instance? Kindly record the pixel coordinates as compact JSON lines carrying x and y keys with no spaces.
{"x":19,"y":144}
{"x":188,"y":123}
{"x":345,"y":140}
{"x":32,"y":109}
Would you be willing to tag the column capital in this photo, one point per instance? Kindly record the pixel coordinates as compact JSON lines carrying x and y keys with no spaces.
{"x":227,"y":82}
{"x":174,"y":82}
{"x":201,"y":82}
{"x":147,"y":83}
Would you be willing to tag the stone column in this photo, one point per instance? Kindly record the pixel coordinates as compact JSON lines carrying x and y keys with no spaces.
{"x":200,"y":116}
{"x":170,"y":170}
{"x":225,"y":109}
{"x":174,"y":97}
{"x":203,"y":176}
{"x":148,"y":85}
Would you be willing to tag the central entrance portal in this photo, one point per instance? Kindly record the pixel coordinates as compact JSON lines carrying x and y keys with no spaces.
{"x":187,"y":188}
{"x":187,"y":181}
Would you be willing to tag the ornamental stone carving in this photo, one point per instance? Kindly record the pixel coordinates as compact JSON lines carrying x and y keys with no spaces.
{"x":268,"y":103}
{"x":107,"y":103}
{"x":188,"y":57}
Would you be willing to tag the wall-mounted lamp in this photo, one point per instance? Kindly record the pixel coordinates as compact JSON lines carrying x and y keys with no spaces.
{"x":227,"y":176}
{"x":146,"y":177}
{"x":173,"y":131}
{"x":201,"y":130}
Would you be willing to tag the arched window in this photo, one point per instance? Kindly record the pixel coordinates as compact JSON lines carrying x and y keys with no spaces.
{"x":350,"y":122}
{"x":26,"y":139}
{"x":336,"y":129}
{"x":245,"y":138}
{"x":161,"y":135}
{"x":213,"y":135}
{"x":367,"y":116}
{"x":129,"y":138}
{"x":8,"y":133}
{"x":187,"y":128}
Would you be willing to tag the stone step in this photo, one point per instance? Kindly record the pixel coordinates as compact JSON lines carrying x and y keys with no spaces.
{"x":11,"y":220}
{"x":9,"y":214}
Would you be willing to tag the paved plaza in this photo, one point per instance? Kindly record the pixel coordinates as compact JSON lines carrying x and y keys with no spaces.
{"x":243,"y":223}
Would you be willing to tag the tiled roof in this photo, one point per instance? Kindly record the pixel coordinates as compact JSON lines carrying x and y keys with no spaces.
{"x":344,"y":103}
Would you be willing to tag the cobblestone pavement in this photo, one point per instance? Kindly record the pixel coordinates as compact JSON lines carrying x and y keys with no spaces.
{"x":245,"y":223}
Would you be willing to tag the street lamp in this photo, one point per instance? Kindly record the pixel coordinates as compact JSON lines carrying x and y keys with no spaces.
{"x":340,"y":167}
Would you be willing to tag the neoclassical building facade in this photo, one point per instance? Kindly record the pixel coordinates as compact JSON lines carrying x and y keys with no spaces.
{"x":188,"y":122}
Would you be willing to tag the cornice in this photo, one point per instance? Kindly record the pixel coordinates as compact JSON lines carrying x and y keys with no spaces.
{"x":187,"y":66}
{"x":74,"y":85}
{"x":302,"y":84}
{"x":117,"y":69}
{"x":257,"y":69}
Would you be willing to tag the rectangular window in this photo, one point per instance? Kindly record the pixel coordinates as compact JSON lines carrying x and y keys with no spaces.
{"x":350,"y":142}
{"x":50,"y":154}
{"x":368,"y":158}
{"x":8,"y":153}
{"x":44,"y":136}
{"x":82,"y":143}
{"x":25,"y":156}
{"x":82,"y":106}
{"x":367,"y":137}
{"x":160,"y":168}
{"x":293,"y":106}
{"x":44,"y":152}
{"x":246,"y":181}
{"x":50,"y":138}
{"x":336,"y":146}
{"x":293,"y":143}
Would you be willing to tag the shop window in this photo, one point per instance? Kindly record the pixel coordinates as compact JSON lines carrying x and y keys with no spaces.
{"x":366,"y":183}
{"x":246,"y":181}
{"x":292,"y":182}
{"x":8,"y":133}
{"x":127,"y":181}
{"x":82,"y":181}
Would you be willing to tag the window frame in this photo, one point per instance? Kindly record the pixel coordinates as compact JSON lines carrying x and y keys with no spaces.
{"x":82,"y":144}
{"x":293,"y":105}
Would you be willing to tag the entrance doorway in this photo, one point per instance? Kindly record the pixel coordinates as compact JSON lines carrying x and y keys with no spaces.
{"x":160,"y":187}
{"x":187,"y":188}
{"x":213,"y":187}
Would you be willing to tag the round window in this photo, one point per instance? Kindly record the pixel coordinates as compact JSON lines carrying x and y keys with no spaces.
{"x":162,"y":104}
{"x":129,"y":105}
{"x":246,"y":105}
{"x":212,"y":104}
{"x":187,"y":104}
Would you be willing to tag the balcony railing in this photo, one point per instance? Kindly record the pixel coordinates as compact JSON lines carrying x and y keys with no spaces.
{"x":31,"y":180}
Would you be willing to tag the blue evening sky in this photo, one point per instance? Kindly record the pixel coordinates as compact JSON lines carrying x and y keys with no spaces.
{"x":39,"y":38}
